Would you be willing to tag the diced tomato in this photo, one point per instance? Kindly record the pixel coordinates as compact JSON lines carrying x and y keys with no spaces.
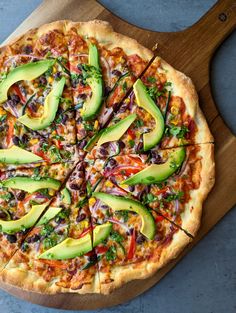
{"x":41,"y":154}
{"x":74,"y":69}
{"x":16,"y":89}
{"x":132,"y":246}
{"x":123,"y":170}
{"x":159,"y":218}
{"x":54,"y":263}
{"x":10,"y":131}
{"x":59,"y":145}
{"x":90,"y":253}
{"x":131,"y":133}
{"x":83,"y":89}
{"x":102,"y":249}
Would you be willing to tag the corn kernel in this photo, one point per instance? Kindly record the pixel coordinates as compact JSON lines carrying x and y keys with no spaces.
{"x":92,"y":201}
{"x":51,"y":192}
{"x":54,"y":70}
{"x":96,"y":124}
{"x":36,"y":85}
{"x":129,"y":137}
{"x":174,"y":122}
{"x":108,"y":184}
{"x":50,"y":80}
{"x":54,"y":133}
{"x":124,"y":186}
{"x":127,"y":100}
{"x":34,"y":141}
{"x":84,"y":224}
{"x":2,"y":111}
{"x":174,"y":110}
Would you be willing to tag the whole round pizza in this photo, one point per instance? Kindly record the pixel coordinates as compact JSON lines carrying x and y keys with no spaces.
{"x":105,"y":160}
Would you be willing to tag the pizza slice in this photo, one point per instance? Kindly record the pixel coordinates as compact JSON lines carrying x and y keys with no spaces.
{"x":24,"y":195}
{"x":161,"y":111}
{"x":138,"y":242}
{"x":35,"y":84}
{"x":57,"y":255}
{"x":21,"y":147}
{"x":174,"y":182}
{"x":104,"y":65}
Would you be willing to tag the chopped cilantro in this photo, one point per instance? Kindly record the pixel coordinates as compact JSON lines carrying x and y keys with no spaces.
{"x":131,"y":143}
{"x":151,"y":79}
{"x":148,"y":198}
{"x":138,"y":123}
{"x":177,"y":131}
{"x":111,"y":253}
{"x":124,"y":86}
{"x":55,"y":153}
{"x":6,"y":197}
{"x":2,"y":118}
{"x":88,"y":126}
{"x":46,"y":230}
{"x":124,"y":214}
{"x":81,"y":203}
{"x":175,"y":196}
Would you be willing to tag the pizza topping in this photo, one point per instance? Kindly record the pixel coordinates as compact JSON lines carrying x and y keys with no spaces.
{"x":16,"y":155}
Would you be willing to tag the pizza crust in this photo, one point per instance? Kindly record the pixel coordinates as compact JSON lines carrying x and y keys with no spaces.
{"x":104,"y":34}
{"x":121,"y":275}
{"x":184,"y":88}
{"x":191,"y":218}
{"x":30,"y":281}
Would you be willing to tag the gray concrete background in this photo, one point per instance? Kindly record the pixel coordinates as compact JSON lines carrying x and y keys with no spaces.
{"x":205,"y":280}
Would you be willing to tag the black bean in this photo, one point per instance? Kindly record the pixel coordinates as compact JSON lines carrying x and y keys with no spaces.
{"x":80,"y":217}
{"x":35,"y":238}
{"x":11,"y":103}
{"x":79,"y":120}
{"x":15,"y":98}
{"x":140,"y":239}
{"x":116,"y":73}
{"x":74,"y":186}
{"x":107,"y":91}
{"x":123,"y":108}
{"x":113,"y":179}
{"x":140,"y":194}
{"x":20,"y":195}
{"x":131,"y":188}
{"x":80,"y":166}
{"x":83,"y":96}
{"x":139,"y":147}
{"x":93,"y":258}
{"x":116,"y":106}
{"x":43,"y":80}
{"x":33,"y":106}
{"x":103,"y":151}
{"x":28,"y":49}
{"x":155,"y":157}
{"x":64,"y":119}
{"x":3,"y":214}
{"x":16,"y":140}
{"x":11,"y":238}
{"x":121,"y":144}
{"x":112,"y":162}
{"x":82,"y":144}
{"x":2,"y":128}
{"x":57,"y":75}
{"x":24,"y":139}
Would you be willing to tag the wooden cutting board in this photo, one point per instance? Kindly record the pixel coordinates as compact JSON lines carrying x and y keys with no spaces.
{"x":189,"y":51}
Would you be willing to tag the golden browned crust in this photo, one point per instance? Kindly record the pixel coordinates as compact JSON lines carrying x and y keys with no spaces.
{"x":123,"y":274}
{"x":191,"y":218}
{"x":105,"y":35}
{"x":28,"y":280}
{"x":184,"y":88}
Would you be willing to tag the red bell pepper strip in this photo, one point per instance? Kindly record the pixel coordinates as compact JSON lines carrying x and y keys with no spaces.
{"x":132,"y":246}
{"x":17,"y":90}
{"x":10,"y":131}
{"x":102,"y":249}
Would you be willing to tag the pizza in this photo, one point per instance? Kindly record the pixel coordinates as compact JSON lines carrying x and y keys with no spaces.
{"x":105,"y":160}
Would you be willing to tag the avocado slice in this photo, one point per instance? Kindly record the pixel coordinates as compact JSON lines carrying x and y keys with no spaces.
{"x":49,"y":214}
{"x":17,"y":155}
{"x":116,"y":131}
{"x":92,"y":105}
{"x":31,"y":185}
{"x":66,"y":198}
{"x":27,"y":71}
{"x":25,"y":222}
{"x":71,"y":248}
{"x":100,"y":233}
{"x":117,"y":203}
{"x":152,"y":138}
{"x":50,"y":108}
{"x":93,"y":140}
{"x":158,"y":172}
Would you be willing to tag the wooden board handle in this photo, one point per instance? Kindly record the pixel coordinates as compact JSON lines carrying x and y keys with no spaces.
{"x":211,"y":30}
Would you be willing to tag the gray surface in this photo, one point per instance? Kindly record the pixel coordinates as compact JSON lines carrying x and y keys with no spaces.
{"x":205,"y":280}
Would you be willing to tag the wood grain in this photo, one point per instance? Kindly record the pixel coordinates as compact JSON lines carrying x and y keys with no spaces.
{"x":190,"y":51}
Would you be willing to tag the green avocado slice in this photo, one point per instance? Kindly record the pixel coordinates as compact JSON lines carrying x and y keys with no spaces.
{"x":17,"y":155}
{"x":100,"y":233}
{"x":117,"y":203}
{"x":92,"y":105}
{"x":25,"y":222}
{"x":31,"y":185}
{"x":50,"y":108}
{"x":27,"y":71}
{"x":116,"y":131}
{"x":71,"y":248}
{"x":158,"y":172}
{"x":49,"y":214}
{"x":66,"y":198}
{"x":152,"y":138}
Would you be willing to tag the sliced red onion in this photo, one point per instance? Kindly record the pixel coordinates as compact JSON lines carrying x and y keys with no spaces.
{"x":105,"y":115}
{"x":13,"y":110}
{"x":40,"y":196}
{"x":37,"y":246}
{"x":13,"y":58}
{"x":131,"y":96}
{"x":119,"y":223}
{"x":119,"y":167}
{"x":60,"y":227}
{"x":96,"y":205}
{"x":80,"y":55}
{"x":118,"y":192}
{"x":177,"y":206}
{"x":113,"y":147}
